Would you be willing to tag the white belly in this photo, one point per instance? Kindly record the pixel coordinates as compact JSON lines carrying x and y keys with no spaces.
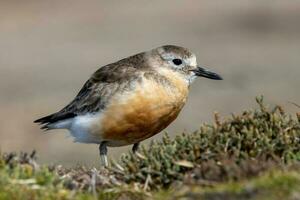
{"x":80,"y":128}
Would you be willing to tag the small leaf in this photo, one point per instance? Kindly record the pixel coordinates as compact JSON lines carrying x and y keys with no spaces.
{"x":184,"y":163}
{"x":141,"y":156}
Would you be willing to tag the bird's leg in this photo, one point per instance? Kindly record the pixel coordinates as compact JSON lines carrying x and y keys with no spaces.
{"x":103,"y":154}
{"x":135,"y":147}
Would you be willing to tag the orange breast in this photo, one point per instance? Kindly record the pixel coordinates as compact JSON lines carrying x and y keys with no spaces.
{"x":144,"y":112}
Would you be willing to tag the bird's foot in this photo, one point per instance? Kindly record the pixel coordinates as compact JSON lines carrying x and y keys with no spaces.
{"x":103,"y":154}
{"x":135,"y":148}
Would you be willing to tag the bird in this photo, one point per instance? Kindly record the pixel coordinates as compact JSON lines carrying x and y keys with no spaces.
{"x":128,"y":101}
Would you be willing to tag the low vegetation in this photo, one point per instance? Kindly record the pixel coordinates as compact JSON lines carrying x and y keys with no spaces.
{"x":255,"y":155}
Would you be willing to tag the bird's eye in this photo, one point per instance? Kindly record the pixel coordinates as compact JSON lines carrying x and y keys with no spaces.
{"x":177,"y":61}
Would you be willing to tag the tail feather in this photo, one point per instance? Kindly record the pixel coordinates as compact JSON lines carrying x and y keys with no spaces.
{"x":44,"y":120}
{"x":50,"y":121}
{"x":45,"y":127}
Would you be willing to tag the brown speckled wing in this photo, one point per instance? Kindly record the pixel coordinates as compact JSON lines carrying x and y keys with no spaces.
{"x":98,"y":90}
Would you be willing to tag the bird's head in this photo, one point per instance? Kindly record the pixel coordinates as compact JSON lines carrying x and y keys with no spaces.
{"x":180,"y":60}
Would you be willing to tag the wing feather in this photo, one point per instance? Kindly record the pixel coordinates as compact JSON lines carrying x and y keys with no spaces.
{"x":97,"y":91}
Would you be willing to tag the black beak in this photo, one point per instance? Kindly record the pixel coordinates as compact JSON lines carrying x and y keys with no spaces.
{"x":199,"y":71}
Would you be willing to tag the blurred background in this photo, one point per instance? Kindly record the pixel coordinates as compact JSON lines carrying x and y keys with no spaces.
{"x":49,"y":48}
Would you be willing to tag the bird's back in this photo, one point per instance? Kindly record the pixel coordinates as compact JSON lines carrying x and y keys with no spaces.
{"x":98,"y":90}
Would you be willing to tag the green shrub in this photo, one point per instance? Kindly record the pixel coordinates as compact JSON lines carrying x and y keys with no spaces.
{"x":214,"y":157}
{"x":238,"y":147}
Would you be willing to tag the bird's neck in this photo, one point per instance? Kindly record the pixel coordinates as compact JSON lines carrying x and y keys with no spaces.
{"x":175,"y":78}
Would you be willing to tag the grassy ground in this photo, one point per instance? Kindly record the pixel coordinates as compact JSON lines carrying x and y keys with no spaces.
{"x":255,"y":155}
